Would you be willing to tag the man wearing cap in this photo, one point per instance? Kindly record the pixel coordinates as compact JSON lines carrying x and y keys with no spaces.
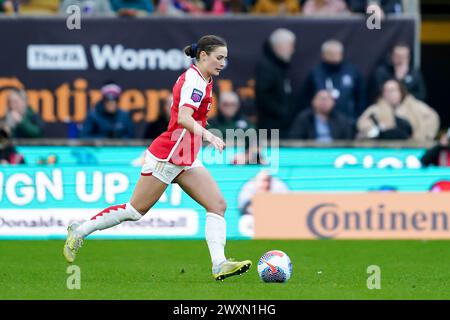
{"x":107,"y":120}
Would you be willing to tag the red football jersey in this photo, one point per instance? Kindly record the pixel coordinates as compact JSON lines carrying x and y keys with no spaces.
{"x":177,"y":145}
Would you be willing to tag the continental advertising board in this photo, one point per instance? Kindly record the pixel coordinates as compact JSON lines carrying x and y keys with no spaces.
{"x":376,"y":215}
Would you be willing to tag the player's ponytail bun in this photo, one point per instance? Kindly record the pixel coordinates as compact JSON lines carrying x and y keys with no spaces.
{"x":191,"y":51}
{"x":206,"y":43}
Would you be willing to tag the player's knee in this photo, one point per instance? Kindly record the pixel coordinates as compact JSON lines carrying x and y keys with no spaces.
{"x":219,"y":207}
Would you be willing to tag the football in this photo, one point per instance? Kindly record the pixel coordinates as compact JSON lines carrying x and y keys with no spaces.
{"x":275,"y":266}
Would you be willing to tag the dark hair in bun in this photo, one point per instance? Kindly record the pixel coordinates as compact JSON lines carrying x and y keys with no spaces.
{"x":206,"y":43}
{"x":191,"y":51}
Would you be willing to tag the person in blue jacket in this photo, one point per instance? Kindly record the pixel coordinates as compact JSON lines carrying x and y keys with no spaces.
{"x":107,"y":120}
{"x":341,"y":78}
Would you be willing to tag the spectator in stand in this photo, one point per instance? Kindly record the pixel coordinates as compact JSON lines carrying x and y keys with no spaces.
{"x":341,"y":78}
{"x":439,"y":155}
{"x":8,"y":153}
{"x":398,"y":115}
{"x":263,"y":182}
{"x":168,"y":8}
{"x":7,"y":6}
{"x":321,"y":122}
{"x":154,"y":129}
{"x":273,"y":85}
{"x":399,"y":66}
{"x":181,"y":7}
{"x":88,"y":7}
{"x":21,"y":121}
{"x":221,"y":7}
{"x":386,"y":6}
{"x":107,"y":120}
{"x":325,"y":8}
{"x":252,"y":154}
{"x":39,"y":7}
{"x":276,"y":7}
{"x":132,"y":8}
{"x":229,"y":115}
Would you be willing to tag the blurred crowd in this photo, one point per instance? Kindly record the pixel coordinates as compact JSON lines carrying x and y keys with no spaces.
{"x":335,"y":102}
{"x":131,"y":8}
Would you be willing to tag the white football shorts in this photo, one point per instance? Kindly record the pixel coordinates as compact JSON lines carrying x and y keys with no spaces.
{"x":164,"y":170}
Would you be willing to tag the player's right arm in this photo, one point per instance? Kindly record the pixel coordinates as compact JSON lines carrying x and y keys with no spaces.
{"x":186,"y":120}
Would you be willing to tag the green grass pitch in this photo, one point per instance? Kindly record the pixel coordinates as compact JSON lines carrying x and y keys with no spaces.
{"x":180,"y":269}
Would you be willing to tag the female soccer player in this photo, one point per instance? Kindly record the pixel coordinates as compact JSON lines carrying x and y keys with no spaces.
{"x":171,"y":158}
